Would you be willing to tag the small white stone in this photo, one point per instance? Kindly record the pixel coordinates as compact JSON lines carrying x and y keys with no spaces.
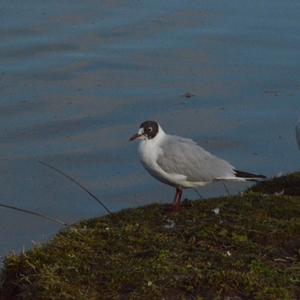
{"x":171,"y":224}
{"x":279,"y":193}
{"x":216,"y":210}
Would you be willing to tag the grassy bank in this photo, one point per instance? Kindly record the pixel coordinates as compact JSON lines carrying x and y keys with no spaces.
{"x":245,"y":247}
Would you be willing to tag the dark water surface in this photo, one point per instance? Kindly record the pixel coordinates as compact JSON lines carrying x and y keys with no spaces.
{"x":78,"y":77}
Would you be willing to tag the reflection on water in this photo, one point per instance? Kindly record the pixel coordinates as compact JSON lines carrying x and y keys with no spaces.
{"x":77,"y":80}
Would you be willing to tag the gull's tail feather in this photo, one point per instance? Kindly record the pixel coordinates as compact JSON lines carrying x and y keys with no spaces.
{"x":248,"y":176}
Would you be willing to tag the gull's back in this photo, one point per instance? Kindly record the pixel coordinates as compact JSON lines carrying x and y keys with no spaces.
{"x":185,"y":157}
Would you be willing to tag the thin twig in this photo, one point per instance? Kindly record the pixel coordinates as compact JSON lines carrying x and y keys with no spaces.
{"x":77,"y":183}
{"x":226,"y":188}
{"x":198,"y":193}
{"x":34,"y":214}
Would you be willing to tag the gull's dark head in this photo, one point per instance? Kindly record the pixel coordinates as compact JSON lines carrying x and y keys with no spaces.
{"x":147,"y":131}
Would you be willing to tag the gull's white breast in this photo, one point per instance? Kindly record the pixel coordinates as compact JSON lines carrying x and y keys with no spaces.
{"x":149,"y":151}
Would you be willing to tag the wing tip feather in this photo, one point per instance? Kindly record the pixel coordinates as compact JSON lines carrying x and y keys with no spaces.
{"x":248,"y":176}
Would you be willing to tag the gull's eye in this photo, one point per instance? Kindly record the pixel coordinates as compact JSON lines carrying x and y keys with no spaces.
{"x":150,"y":129}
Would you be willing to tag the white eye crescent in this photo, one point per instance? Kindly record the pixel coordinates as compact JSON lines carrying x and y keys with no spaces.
{"x":150,"y":129}
{"x":141,"y":131}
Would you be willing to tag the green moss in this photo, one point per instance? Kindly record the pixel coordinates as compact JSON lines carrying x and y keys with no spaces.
{"x":250,"y":249}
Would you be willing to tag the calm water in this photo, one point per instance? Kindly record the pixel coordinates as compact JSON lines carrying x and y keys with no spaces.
{"x":77,"y":79}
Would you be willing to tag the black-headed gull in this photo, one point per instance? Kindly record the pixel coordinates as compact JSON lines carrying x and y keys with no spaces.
{"x":180,"y":162}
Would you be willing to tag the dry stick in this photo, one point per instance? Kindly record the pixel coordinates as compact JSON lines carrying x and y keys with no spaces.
{"x":226,"y":188}
{"x":198,"y":193}
{"x":76,"y":182}
{"x":34,"y":214}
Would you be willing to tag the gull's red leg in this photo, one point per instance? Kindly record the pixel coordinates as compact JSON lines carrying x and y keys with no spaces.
{"x":177,"y":199}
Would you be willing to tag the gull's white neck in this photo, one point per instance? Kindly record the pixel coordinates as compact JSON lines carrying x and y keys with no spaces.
{"x":147,"y":146}
{"x":149,"y":150}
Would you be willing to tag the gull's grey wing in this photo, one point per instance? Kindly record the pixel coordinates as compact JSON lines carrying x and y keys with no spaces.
{"x":185,"y":157}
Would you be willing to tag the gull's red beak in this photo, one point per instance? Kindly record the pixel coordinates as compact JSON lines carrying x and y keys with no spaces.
{"x":135,"y":136}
